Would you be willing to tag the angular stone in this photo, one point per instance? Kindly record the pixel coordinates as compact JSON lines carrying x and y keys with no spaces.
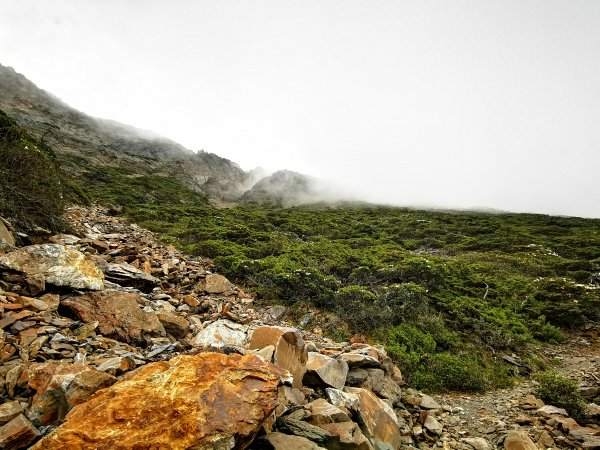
{"x":291,"y":396}
{"x":59,"y":386}
{"x":357,"y":376}
{"x":209,"y":400}
{"x":359,"y":360}
{"x":390,"y":390}
{"x":429,"y":403}
{"x":18,"y":433}
{"x":305,"y":430}
{"x":291,"y":355}
{"x":35,"y":283}
{"x":322,"y":369}
{"x":280,"y":441}
{"x":59,"y":265}
{"x":220,"y":334}
{"x":433,"y":425}
{"x":10,"y":410}
{"x":214,"y":284}
{"x":348,"y":437}
{"x":378,"y":420}
{"x":266,"y":335}
{"x":342,"y":399}
{"x":478,"y":443}
{"x":127,"y":275}
{"x":518,"y":440}
{"x":117,"y":365}
{"x":174,"y":324}
{"x":324,"y":412}
{"x":266,"y":353}
{"x":549,"y":411}
{"x":118,"y":314}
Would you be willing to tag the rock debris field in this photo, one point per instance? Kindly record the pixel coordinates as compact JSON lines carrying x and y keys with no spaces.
{"x":111,"y":340}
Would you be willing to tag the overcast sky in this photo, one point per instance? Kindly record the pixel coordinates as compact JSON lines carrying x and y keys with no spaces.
{"x":456,"y":103}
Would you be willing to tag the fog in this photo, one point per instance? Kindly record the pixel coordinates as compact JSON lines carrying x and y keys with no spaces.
{"x":469,"y":103}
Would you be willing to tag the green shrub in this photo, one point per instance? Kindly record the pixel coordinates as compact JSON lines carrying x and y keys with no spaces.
{"x":562,"y":392}
{"x":449,"y":372}
{"x":31,"y":190}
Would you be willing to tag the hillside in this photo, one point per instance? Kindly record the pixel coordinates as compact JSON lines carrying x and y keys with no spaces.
{"x":456,"y":301}
{"x":83,"y":143}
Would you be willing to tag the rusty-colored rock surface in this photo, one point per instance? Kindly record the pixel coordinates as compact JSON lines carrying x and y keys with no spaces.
{"x":118,"y":314}
{"x":59,"y":386}
{"x":209,"y":400}
{"x":59,"y":265}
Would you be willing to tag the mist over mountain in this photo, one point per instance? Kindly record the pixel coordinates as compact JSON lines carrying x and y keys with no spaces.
{"x":82,"y":142}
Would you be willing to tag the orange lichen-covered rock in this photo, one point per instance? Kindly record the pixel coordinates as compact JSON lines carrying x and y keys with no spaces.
{"x":209,"y":400}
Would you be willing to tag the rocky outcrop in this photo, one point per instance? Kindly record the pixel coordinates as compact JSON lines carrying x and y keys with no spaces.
{"x":208,"y":400}
{"x":57,"y":264}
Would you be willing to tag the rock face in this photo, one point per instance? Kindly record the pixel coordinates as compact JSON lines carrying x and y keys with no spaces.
{"x":58,"y":265}
{"x":118,"y":315}
{"x":204,"y":401}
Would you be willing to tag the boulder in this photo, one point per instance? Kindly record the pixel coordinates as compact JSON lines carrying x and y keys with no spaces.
{"x":348,"y":437}
{"x":378,"y":420}
{"x":59,"y":265}
{"x":280,"y":441}
{"x":342,"y":399}
{"x":518,"y":440}
{"x":59,"y":386}
{"x":173,"y":324}
{"x":322,"y":369}
{"x":265,"y":336}
{"x":359,"y":360}
{"x":118,"y":314}
{"x":478,"y":443}
{"x":214,"y":284}
{"x":428,"y":402}
{"x":323,"y":412}
{"x":291,"y":355}
{"x":220,"y":334}
{"x":127,"y":275}
{"x":432,"y":425}
{"x":10,"y":410}
{"x":203,"y":401}
{"x":306,"y":430}
{"x":18,"y":433}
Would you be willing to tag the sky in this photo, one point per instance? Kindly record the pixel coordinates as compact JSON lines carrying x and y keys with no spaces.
{"x":462,"y":103}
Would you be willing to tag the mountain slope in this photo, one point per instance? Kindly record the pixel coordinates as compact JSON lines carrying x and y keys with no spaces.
{"x":81,"y":141}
